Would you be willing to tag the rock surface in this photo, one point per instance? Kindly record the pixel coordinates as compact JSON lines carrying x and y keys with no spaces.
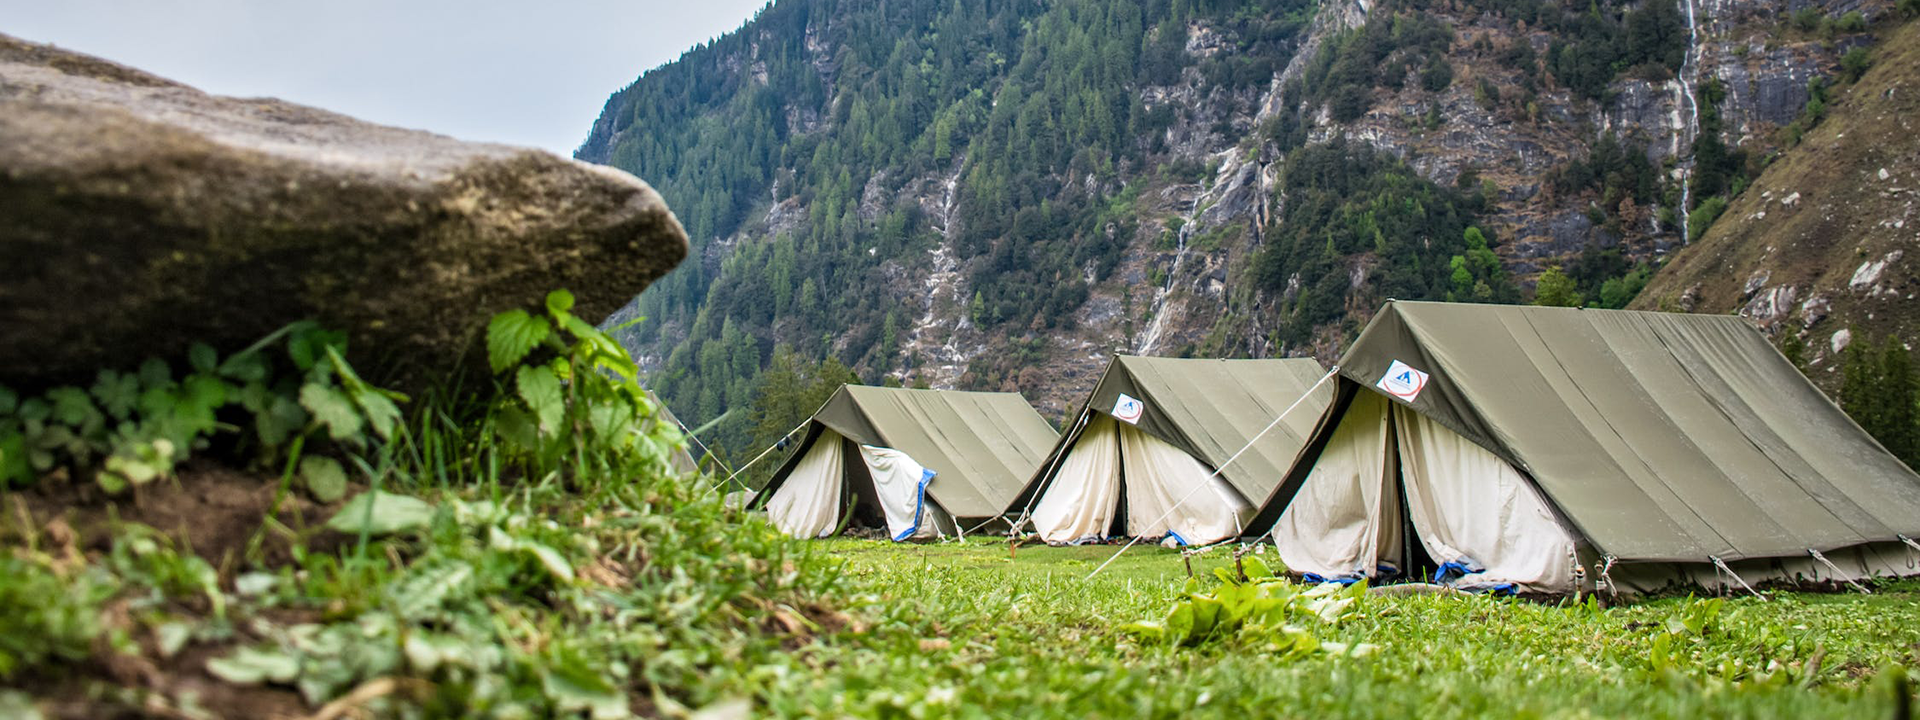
{"x":1820,"y":245}
{"x":139,"y":215}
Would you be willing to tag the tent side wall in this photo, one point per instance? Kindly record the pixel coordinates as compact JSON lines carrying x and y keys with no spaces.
{"x":1666,"y":447}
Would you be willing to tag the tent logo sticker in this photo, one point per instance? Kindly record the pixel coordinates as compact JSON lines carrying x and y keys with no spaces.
{"x":1402,"y":381}
{"x":1129,"y":408}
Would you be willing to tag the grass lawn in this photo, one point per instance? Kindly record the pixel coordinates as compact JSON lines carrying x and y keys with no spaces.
{"x":964,"y":630}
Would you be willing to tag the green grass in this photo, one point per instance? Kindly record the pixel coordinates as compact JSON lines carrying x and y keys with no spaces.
{"x":965,"y":631}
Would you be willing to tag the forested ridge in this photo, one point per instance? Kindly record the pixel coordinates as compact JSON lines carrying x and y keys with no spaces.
{"x":979,"y":193}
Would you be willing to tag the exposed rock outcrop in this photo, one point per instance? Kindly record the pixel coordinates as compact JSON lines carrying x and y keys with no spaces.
{"x":141,"y":215}
{"x":1819,"y":245}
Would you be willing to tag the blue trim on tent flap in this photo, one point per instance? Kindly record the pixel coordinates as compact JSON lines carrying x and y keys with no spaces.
{"x":1320,"y":579}
{"x":919,"y":504}
{"x":1176,"y":538}
{"x":1454,"y":570}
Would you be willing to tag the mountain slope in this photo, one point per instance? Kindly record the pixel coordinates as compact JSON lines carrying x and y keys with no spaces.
{"x":1822,"y":246}
{"x":999,"y":195}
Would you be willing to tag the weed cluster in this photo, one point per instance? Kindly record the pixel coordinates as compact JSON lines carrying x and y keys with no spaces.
{"x":133,"y":428}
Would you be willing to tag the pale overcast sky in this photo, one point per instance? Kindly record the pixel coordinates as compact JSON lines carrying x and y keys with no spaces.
{"x":528,"y":73}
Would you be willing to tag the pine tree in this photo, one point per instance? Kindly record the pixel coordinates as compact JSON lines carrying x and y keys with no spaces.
{"x":1898,"y":430}
{"x":1556,"y":289}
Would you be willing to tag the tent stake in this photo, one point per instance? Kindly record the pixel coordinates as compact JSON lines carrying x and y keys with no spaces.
{"x":1721,"y":565}
{"x":1836,"y":571}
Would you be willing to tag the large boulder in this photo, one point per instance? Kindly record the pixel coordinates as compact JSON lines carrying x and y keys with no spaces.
{"x":139,"y":215}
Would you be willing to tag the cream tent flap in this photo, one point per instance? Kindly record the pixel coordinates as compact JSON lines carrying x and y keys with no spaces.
{"x":1168,"y":491}
{"x":1080,"y":503}
{"x":1470,"y":506}
{"x":808,"y":504}
{"x":1346,"y":516}
{"x":901,"y":485}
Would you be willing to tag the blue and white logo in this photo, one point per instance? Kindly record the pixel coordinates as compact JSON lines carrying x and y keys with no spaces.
{"x":1129,"y":409}
{"x":1402,"y":381}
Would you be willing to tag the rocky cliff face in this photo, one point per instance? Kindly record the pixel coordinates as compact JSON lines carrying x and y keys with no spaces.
{"x":1821,"y":246}
{"x":1210,"y":193}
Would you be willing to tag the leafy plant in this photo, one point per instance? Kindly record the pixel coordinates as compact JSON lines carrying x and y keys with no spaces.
{"x":46,"y":619}
{"x":132,"y":428}
{"x":575,"y":406}
{"x":1264,"y":609}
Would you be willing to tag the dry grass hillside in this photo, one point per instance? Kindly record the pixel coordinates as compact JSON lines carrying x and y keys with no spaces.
{"x":1823,"y":244}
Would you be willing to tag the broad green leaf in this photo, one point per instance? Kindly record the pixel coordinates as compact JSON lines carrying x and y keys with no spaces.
{"x":381,"y":413}
{"x":550,"y":558}
{"x":1179,"y":623}
{"x":250,"y":666}
{"x":246,"y":367}
{"x":9,"y":400}
{"x":202,"y":357}
{"x":324,"y":478}
{"x":559,"y":301}
{"x":154,"y":373}
{"x":540,"y":388}
{"x":380,"y":513}
{"x":517,"y":427}
{"x":283,"y":418}
{"x":200,"y":397}
{"x":572,"y":688}
{"x":255,"y":583}
{"x":1256,"y":568}
{"x":1330,"y":609}
{"x":308,"y":345}
{"x":426,"y":651}
{"x":513,"y":334}
{"x":110,"y":481}
{"x":425,"y":591}
{"x":172,"y":637}
{"x":72,"y":406}
{"x":1145,"y":630}
{"x":15,"y":469}
{"x":118,"y":394}
{"x":1206,"y":616}
{"x":333,"y":408}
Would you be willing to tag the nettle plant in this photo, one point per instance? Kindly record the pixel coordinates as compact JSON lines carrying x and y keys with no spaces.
{"x":132,"y":428}
{"x":575,"y":406}
{"x":1264,"y":610}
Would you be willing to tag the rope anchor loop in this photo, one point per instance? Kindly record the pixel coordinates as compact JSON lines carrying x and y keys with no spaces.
{"x":1721,"y":566}
{"x":1837,"y":572}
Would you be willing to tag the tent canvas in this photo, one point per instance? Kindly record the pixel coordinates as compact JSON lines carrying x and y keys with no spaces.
{"x":1654,"y":447}
{"x":1140,"y":459}
{"x":920,"y":463}
{"x":680,"y":458}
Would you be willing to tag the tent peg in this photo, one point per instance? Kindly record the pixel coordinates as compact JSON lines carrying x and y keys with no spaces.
{"x":1721,"y":565}
{"x":1836,"y":571}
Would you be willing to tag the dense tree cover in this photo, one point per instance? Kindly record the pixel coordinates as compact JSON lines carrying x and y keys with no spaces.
{"x":1605,"y":278}
{"x":1878,"y":390}
{"x":1615,"y":169}
{"x":1360,"y":226}
{"x":823,"y":106}
{"x":1392,"y":47}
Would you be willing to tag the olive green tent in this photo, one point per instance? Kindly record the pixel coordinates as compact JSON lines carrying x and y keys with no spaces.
{"x":919,"y":463}
{"x":1142,"y":455}
{"x":1515,"y":442}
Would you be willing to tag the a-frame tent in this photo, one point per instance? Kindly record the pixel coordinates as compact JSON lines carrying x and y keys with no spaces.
{"x":918,"y":463}
{"x":680,"y":457}
{"x":1142,"y":455}
{"x":1654,"y":448}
